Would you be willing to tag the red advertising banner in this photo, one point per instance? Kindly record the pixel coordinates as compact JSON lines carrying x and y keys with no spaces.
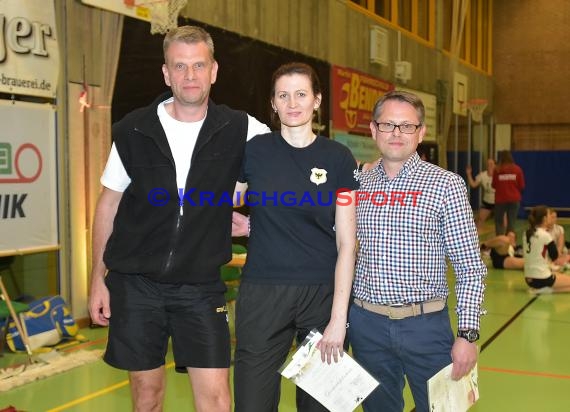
{"x":353,"y":96}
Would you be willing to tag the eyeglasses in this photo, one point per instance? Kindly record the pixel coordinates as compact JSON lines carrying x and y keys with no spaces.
{"x":407,"y":128}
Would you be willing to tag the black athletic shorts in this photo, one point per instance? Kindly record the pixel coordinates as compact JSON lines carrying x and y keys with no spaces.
{"x":498,"y":260}
{"x":488,"y":206}
{"x":145,"y":314}
{"x":541,"y":283}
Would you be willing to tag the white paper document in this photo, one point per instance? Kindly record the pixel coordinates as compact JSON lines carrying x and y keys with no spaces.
{"x":447,"y":395}
{"x":339,"y":386}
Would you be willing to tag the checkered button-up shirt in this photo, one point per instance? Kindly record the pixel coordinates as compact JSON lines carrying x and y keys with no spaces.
{"x":407,"y":229}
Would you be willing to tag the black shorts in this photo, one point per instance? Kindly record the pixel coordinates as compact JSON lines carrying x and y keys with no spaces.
{"x":541,"y":283}
{"x":498,"y":260}
{"x":145,"y":314}
{"x":488,"y":206}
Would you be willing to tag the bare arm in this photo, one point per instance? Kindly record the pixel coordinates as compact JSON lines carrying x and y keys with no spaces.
{"x":240,"y":223}
{"x":239,"y":194}
{"x":473,"y":183}
{"x":345,"y":224}
{"x":499,"y":243}
{"x":560,"y":242}
{"x":105,"y":212}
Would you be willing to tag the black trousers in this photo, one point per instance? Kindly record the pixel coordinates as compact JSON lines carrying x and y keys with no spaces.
{"x":268,"y":318}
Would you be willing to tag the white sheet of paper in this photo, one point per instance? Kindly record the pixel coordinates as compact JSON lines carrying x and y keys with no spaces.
{"x":339,"y":386}
{"x":447,"y":395}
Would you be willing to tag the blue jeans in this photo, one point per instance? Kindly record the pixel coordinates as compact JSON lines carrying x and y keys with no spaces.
{"x":416,"y":347}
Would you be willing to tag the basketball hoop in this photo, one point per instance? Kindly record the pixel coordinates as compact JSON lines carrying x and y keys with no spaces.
{"x":163,"y":13}
{"x":476,"y":107}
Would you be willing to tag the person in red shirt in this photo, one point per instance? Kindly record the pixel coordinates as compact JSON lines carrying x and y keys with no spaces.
{"x":508,"y":182}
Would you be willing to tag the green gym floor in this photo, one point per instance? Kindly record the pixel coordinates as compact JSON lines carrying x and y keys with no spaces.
{"x":524,"y":362}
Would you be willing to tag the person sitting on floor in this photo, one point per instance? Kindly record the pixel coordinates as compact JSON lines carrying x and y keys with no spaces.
{"x":502,"y":252}
{"x":485,"y":180}
{"x":536,"y":241}
{"x":557,"y":233}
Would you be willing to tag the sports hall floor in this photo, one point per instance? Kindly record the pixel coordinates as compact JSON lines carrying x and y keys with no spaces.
{"x":524,"y":362}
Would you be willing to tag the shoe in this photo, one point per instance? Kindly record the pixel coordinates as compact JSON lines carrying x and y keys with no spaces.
{"x":540,"y":291}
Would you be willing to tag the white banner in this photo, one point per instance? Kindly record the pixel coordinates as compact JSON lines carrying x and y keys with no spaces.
{"x":430,"y":105}
{"x":28,"y":185}
{"x":29,"y":55}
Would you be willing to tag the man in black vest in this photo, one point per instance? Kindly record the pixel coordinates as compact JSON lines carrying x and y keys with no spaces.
{"x":162,"y":229}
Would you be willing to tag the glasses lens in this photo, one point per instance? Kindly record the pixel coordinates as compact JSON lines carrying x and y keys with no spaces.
{"x":386,"y":127}
{"x":408,"y":128}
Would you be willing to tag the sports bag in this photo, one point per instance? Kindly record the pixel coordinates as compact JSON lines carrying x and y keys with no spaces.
{"x":48,"y":321}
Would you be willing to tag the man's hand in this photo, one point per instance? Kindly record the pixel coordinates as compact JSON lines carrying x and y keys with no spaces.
{"x":331,"y":345}
{"x":240,"y":225}
{"x":464,"y":355}
{"x":99,"y":302}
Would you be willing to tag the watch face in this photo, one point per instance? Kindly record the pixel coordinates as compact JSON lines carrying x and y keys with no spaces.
{"x":471,"y":335}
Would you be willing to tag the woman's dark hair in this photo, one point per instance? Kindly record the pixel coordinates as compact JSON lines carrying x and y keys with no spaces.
{"x":535,"y":218}
{"x":287,"y":70}
{"x":505,"y":157}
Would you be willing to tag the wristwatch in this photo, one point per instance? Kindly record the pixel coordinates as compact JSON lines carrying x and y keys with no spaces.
{"x":470,"y":335}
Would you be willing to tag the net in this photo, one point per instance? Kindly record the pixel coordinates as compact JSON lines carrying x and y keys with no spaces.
{"x":163,"y":13}
{"x":476,"y":108}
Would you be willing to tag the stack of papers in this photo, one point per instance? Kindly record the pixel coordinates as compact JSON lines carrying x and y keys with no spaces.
{"x":339,"y":386}
{"x":447,"y":395}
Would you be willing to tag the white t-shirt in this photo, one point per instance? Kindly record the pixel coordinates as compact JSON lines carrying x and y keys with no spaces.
{"x":556,"y":231}
{"x":181,"y":138}
{"x":486,"y":181}
{"x":536,"y":261}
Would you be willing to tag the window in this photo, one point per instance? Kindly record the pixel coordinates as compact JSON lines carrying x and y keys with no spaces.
{"x":405,"y":14}
{"x":414,"y":16}
{"x":383,"y":8}
{"x":475,"y":47}
{"x":418,"y":17}
{"x":423,"y":19}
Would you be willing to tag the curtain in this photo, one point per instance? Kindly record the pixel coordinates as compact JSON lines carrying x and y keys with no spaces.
{"x":91,"y":38}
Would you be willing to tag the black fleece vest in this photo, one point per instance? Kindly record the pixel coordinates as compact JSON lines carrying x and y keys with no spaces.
{"x":150,"y":236}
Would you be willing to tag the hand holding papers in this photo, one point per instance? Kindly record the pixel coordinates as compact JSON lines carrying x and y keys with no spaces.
{"x":340,"y":386}
{"x":447,"y":395}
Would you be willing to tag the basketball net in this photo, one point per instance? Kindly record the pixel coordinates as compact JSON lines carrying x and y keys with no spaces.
{"x":476,"y":108}
{"x":163,"y":13}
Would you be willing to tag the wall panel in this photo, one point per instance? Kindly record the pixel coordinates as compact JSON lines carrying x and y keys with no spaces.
{"x":541,"y":137}
{"x":532,"y":61}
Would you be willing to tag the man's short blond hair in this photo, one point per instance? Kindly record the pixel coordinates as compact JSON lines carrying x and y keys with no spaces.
{"x":188,"y":35}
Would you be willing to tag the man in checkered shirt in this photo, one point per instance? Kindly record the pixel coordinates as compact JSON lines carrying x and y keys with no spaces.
{"x":412,"y":218}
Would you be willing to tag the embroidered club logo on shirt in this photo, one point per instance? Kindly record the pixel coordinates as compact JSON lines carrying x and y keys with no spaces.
{"x":318,"y":176}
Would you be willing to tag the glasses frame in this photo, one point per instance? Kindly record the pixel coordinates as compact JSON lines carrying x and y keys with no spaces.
{"x":394,"y":126}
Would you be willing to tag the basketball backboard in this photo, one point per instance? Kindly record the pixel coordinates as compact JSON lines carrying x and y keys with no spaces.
{"x":122,"y":7}
{"x":460,"y":94}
